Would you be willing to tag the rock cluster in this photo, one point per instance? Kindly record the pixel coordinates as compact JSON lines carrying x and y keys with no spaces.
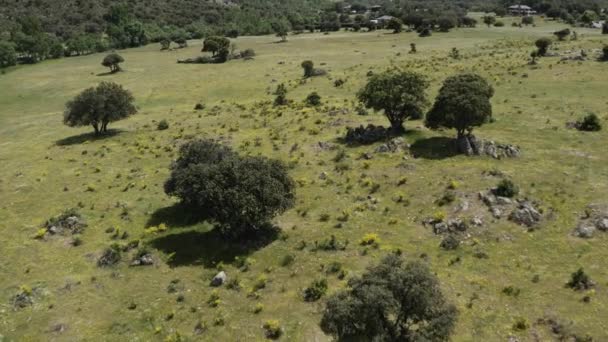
{"x":68,"y":222}
{"x":523,"y":212}
{"x":595,"y":219}
{"x":219,"y":279}
{"x":393,"y":145}
{"x":470,"y":145}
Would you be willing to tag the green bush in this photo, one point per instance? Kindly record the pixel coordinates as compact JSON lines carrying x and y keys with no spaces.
{"x":162,"y":125}
{"x":590,"y":123}
{"x":313,"y":99}
{"x":315,"y":290}
{"x":579,"y":280}
{"x":506,"y":188}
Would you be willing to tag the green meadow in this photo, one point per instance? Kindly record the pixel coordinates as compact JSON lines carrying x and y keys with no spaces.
{"x":117,"y":182}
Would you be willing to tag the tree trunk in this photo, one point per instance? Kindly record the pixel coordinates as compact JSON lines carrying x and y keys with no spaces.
{"x":396,"y":124}
{"x":96,"y":127}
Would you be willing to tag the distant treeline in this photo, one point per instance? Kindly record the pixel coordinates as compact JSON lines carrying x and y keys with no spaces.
{"x":34,"y":30}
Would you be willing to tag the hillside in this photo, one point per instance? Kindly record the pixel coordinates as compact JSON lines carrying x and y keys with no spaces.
{"x":505,"y":280}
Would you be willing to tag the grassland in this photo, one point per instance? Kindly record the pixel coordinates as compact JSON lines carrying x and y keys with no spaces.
{"x":117,"y":182}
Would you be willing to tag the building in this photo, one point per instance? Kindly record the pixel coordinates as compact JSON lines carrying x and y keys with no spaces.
{"x":521,"y":10}
{"x":384,"y":19}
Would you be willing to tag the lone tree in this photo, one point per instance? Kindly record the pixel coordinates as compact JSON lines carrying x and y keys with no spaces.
{"x":543,"y":45}
{"x":113,"y":61}
{"x":281,"y":95}
{"x":489,"y":20}
{"x":395,"y":24}
{"x":8,"y":56}
{"x":309,"y":68}
{"x":562,"y":34}
{"x":216,"y":45}
{"x":463,"y":102}
{"x":400,"y":94}
{"x":98,"y":106}
{"x":281,"y":29}
{"x":445,"y":24}
{"x":392,"y":301}
{"x":240,"y":193}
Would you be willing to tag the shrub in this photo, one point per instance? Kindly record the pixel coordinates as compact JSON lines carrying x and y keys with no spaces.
{"x":272,"y":329}
{"x":315,"y":290}
{"x":447,"y":198}
{"x":399,"y":94}
{"x":499,"y":24}
{"x":281,"y":95}
{"x":162,"y":125}
{"x":387,"y":294}
{"x":590,"y":123}
{"x":579,"y":280}
{"x":445,"y":24}
{"x":199,"y":106}
{"x":313,"y":99}
{"x":308,"y":67}
{"x":287,"y":260}
{"x":527,"y":20}
{"x":506,"y":188}
{"x":425,"y":32}
{"x":369,"y":239}
{"x":562,"y":34}
{"x":450,"y":242}
{"x":543,"y":45}
{"x":605,"y":52}
{"x":241,"y":194}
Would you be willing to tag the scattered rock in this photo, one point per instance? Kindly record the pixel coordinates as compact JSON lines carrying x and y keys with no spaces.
{"x":476,"y":221}
{"x":584,"y":231}
{"x":526,"y":215}
{"x":145,"y":259}
{"x":323,"y":175}
{"x":219,"y":279}
{"x":394,"y":145}
{"x":497,"y":213}
{"x":325,"y":146}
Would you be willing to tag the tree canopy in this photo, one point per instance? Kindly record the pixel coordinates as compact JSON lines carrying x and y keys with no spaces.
{"x":98,"y":106}
{"x":393,"y":301}
{"x":112,"y":61}
{"x":8,"y":56}
{"x":400,"y":94}
{"x":239,"y":193}
{"x":463,"y":102}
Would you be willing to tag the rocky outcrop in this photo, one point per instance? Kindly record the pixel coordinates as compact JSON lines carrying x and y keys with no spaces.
{"x":471,"y":146}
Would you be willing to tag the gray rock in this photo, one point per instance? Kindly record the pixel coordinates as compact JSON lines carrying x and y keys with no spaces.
{"x":602,"y":224}
{"x":144,"y":260}
{"x":476,"y":221}
{"x":440,"y":228}
{"x":526,"y":215}
{"x":497,"y":213}
{"x":464,"y":145}
{"x":323,"y":175}
{"x":503,"y":200}
{"x":457,"y":225}
{"x":463,"y":206}
{"x":219,"y":279}
{"x":584,"y":231}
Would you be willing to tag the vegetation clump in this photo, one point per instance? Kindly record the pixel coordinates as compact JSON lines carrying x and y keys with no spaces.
{"x":506,"y":188}
{"x":392,"y":301}
{"x":315,"y":290}
{"x":240,"y":193}
{"x":579,"y":280}
{"x":590,"y":123}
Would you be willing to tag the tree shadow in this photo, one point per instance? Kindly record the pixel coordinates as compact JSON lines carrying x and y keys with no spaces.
{"x":89,"y":136}
{"x":204,"y":246}
{"x":434,"y":148}
{"x":109,"y":73}
{"x":175,"y":216}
